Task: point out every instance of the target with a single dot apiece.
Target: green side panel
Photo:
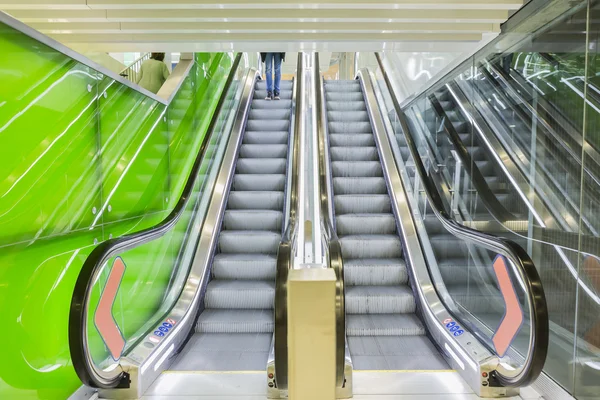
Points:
(133, 140)
(49, 177)
(85, 158)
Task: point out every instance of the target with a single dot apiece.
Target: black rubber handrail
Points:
(105, 250)
(335, 260)
(534, 361)
(286, 246)
(483, 189)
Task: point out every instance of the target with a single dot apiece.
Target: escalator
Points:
(219, 312)
(238, 313)
(383, 330)
(420, 289)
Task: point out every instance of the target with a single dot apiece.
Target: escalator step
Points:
(365, 224)
(259, 182)
(256, 137)
(371, 246)
(254, 220)
(271, 125)
(228, 294)
(356, 169)
(261, 166)
(235, 321)
(368, 185)
(354, 153)
(268, 115)
(346, 106)
(262, 93)
(255, 200)
(375, 272)
(350, 127)
(263, 151)
(347, 116)
(283, 85)
(249, 242)
(252, 267)
(262, 104)
(358, 140)
(379, 300)
(344, 96)
(384, 325)
(365, 203)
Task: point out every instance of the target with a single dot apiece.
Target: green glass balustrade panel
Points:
(133, 152)
(49, 177)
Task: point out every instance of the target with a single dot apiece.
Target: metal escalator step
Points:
(384, 325)
(235, 321)
(357, 140)
(249, 242)
(227, 294)
(263, 151)
(245, 266)
(259, 182)
(356, 169)
(283, 85)
(255, 137)
(262, 104)
(366, 224)
(353, 153)
(350, 127)
(359, 186)
(346, 106)
(344, 96)
(362, 203)
(262, 93)
(371, 246)
(254, 220)
(347, 116)
(375, 272)
(343, 88)
(268, 125)
(261, 166)
(379, 300)
(266, 115)
(255, 200)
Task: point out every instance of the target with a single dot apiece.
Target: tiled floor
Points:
(367, 386)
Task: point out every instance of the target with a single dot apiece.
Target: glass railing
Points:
(488, 283)
(534, 150)
(87, 157)
(149, 268)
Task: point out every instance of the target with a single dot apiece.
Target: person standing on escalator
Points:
(153, 73)
(273, 62)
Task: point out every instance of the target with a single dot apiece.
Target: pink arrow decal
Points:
(104, 320)
(513, 315)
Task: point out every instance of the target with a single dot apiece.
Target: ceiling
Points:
(278, 25)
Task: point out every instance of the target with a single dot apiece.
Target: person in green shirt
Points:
(153, 73)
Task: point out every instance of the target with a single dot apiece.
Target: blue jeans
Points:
(270, 59)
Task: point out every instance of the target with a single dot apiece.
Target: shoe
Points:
(269, 96)
(276, 96)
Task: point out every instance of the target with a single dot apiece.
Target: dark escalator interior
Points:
(383, 331)
(234, 332)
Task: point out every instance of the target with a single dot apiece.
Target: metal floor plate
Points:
(225, 352)
(367, 386)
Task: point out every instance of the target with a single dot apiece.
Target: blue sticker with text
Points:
(167, 325)
(450, 324)
(458, 333)
(163, 329)
(159, 333)
(454, 328)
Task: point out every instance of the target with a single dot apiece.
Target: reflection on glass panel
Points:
(47, 115)
(587, 357)
(134, 152)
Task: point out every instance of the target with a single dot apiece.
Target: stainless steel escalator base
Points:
(224, 352)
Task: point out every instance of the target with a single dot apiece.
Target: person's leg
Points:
(269, 73)
(277, 60)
